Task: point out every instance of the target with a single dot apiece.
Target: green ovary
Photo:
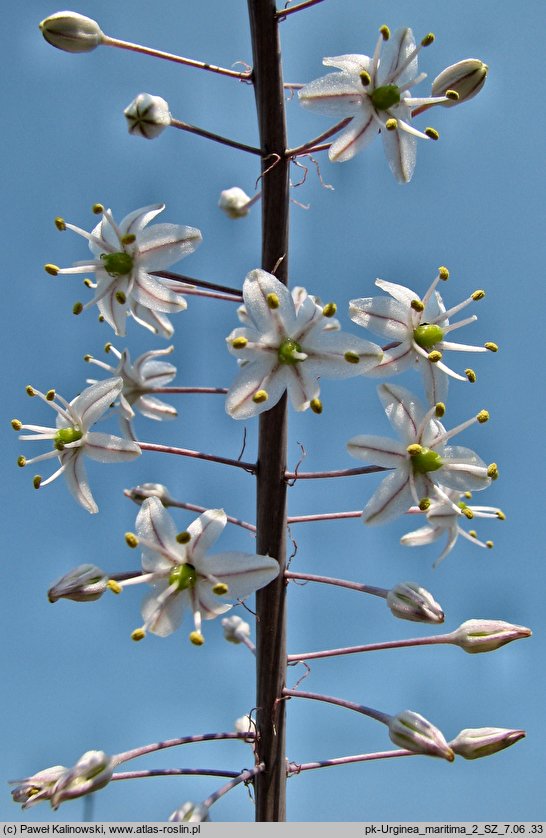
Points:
(184, 576)
(427, 460)
(117, 264)
(66, 435)
(286, 351)
(385, 97)
(428, 335)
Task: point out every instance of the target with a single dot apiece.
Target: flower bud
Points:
(409, 601)
(92, 771)
(38, 787)
(473, 743)
(465, 77)
(147, 116)
(235, 629)
(413, 732)
(149, 490)
(72, 32)
(234, 202)
(245, 724)
(191, 813)
(85, 583)
(487, 635)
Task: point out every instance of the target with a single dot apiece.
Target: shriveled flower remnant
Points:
(424, 466)
(183, 575)
(417, 329)
(288, 347)
(71, 438)
(125, 255)
(374, 92)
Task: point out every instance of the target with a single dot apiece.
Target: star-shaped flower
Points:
(417, 329)
(125, 255)
(288, 347)
(140, 380)
(375, 93)
(71, 438)
(424, 466)
(185, 577)
(445, 516)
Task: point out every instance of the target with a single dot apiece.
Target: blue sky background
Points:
(73, 680)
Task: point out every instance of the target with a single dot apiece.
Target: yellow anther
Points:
(478, 295)
(53, 270)
(131, 540)
(77, 308)
(414, 449)
(489, 544)
(273, 301)
(29, 391)
(483, 416)
(329, 310)
(453, 95)
(439, 409)
(88, 283)
(97, 209)
(316, 406)
(467, 512)
(471, 375)
(130, 238)
(417, 305)
(196, 638)
(443, 272)
(493, 471)
(260, 396)
(36, 481)
(21, 461)
(60, 223)
(385, 32)
(50, 395)
(87, 358)
(220, 589)
(16, 424)
(107, 347)
(432, 133)
(467, 495)
(472, 533)
(120, 297)
(365, 78)
(239, 343)
(183, 537)
(491, 346)
(424, 504)
(114, 586)
(434, 356)
(500, 515)
(138, 634)
(391, 124)
(352, 357)
(100, 318)
(428, 39)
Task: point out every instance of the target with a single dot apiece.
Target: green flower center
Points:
(183, 576)
(427, 460)
(428, 335)
(117, 264)
(385, 97)
(66, 435)
(288, 350)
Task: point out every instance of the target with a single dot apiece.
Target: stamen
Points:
(443, 272)
(329, 310)
(239, 343)
(391, 124)
(432, 133)
(183, 537)
(97, 209)
(138, 634)
(52, 270)
(352, 357)
(273, 301)
(260, 396)
(131, 540)
(114, 586)
(491, 346)
(471, 375)
(77, 308)
(60, 223)
(478, 295)
(483, 416)
(493, 471)
(316, 406)
(196, 638)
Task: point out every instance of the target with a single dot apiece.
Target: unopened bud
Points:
(413, 732)
(245, 724)
(72, 32)
(147, 116)
(234, 202)
(473, 743)
(235, 629)
(92, 771)
(37, 787)
(190, 813)
(465, 77)
(85, 583)
(149, 490)
(409, 601)
(487, 635)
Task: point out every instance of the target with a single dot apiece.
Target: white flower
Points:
(424, 466)
(375, 93)
(299, 295)
(125, 255)
(288, 348)
(71, 438)
(190, 812)
(93, 771)
(418, 329)
(184, 576)
(445, 516)
(139, 382)
(147, 116)
(39, 786)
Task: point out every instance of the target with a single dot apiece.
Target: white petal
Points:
(164, 244)
(401, 293)
(169, 615)
(268, 375)
(379, 450)
(327, 355)
(302, 384)
(352, 63)
(151, 293)
(391, 499)
(393, 56)
(280, 321)
(337, 94)
(76, 478)
(243, 573)
(388, 318)
(155, 321)
(204, 531)
(395, 360)
(360, 133)
(114, 312)
(133, 223)
(422, 536)
(401, 151)
(154, 408)
(403, 410)
(155, 526)
(90, 405)
(106, 448)
(436, 382)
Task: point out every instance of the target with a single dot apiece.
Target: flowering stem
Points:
(187, 452)
(209, 135)
(200, 283)
(346, 472)
(296, 768)
(243, 777)
(170, 772)
(125, 756)
(167, 56)
(374, 647)
(342, 583)
(310, 144)
(221, 391)
(324, 516)
(305, 5)
(341, 702)
(270, 784)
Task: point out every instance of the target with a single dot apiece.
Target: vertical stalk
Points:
(270, 785)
